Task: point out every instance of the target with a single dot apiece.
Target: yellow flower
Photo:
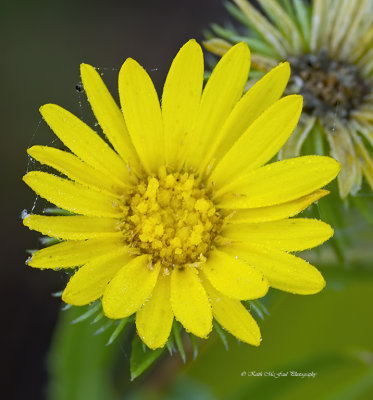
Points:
(181, 219)
(329, 46)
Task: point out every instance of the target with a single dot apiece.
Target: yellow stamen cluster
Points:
(172, 218)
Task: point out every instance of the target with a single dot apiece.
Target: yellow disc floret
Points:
(171, 217)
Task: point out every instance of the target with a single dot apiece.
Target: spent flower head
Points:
(176, 215)
(329, 46)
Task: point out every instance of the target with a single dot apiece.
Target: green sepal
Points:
(142, 357)
(104, 327)
(92, 309)
(257, 308)
(176, 329)
(194, 342)
(221, 334)
(171, 345)
(120, 326)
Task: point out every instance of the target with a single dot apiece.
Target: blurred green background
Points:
(330, 334)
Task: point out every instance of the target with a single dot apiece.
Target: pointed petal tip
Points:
(322, 193)
(68, 298)
(241, 45)
(84, 66)
(45, 109)
(297, 99)
(128, 63)
(240, 48)
(26, 221)
(26, 178)
(30, 151)
(86, 69)
(152, 345)
(33, 151)
(284, 66)
(316, 286)
(333, 165)
(192, 46)
(191, 42)
(112, 315)
(254, 340)
(331, 231)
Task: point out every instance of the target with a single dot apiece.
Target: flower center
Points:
(329, 87)
(171, 217)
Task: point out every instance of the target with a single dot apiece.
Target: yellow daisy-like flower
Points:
(329, 46)
(181, 218)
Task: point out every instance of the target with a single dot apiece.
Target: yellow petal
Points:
(233, 316)
(287, 234)
(130, 288)
(189, 301)
(74, 253)
(234, 278)
(256, 100)
(279, 211)
(71, 196)
(90, 281)
(77, 227)
(283, 271)
(280, 182)
(75, 169)
(154, 319)
(109, 116)
(85, 143)
(260, 142)
(181, 98)
(142, 113)
(222, 91)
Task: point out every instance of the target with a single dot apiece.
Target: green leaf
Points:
(79, 363)
(142, 357)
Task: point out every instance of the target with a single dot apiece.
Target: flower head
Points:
(180, 218)
(328, 44)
